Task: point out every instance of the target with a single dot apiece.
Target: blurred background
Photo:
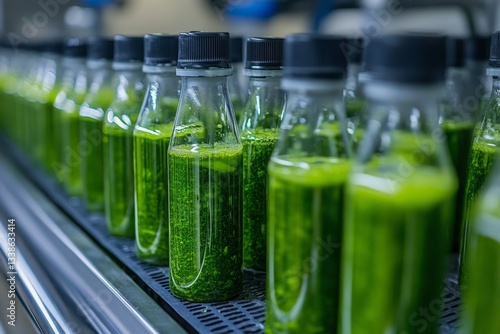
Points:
(22, 20)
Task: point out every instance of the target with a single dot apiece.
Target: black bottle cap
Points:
(495, 50)
(75, 47)
(54, 46)
(236, 49)
(203, 50)
(100, 48)
(406, 58)
(160, 49)
(477, 48)
(128, 49)
(314, 56)
(264, 53)
(455, 52)
(353, 50)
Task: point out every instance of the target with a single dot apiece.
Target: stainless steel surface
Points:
(66, 281)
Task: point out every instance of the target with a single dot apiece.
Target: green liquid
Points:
(459, 142)
(205, 196)
(258, 145)
(92, 169)
(305, 225)
(118, 181)
(44, 107)
(91, 137)
(151, 192)
(72, 153)
(395, 249)
(481, 160)
(482, 297)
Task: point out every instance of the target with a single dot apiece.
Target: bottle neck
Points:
(265, 104)
(404, 118)
(165, 84)
(71, 68)
(314, 123)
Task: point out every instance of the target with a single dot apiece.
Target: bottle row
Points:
(349, 171)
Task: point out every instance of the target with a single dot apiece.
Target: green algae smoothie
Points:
(91, 138)
(481, 304)
(118, 127)
(459, 141)
(303, 195)
(259, 125)
(151, 192)
(151, 141)
(397, 226)
(258, 146)
(118, 168)
(205, 222)
(205, 178)
(482, 157)
(90, 121)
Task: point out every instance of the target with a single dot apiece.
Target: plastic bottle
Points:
(259, 133)
(399, 197)
(205, 176)
(481, 301)
(458, 124)
(307, 175)
(151, 139)
(118, 127)
(485, 150)
(65, 115)
(91, 115)
(50, 87)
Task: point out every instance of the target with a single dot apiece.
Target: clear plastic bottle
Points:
(259, 133)
(481, 302)
(205, 176)
(118, 128)
(151, 139)
(27, 94)
(458, 124)
(399, 197)
(91, 116)
(485, 150)
(51, 84)
(65, 115)
(307, 175)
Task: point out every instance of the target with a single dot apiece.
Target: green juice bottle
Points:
(205, 176)
(259, 133)
(44, 100)
(481, 304)
(398, 202)
(151, 140)
(27, 94)
(485, 150)
(67, 156)
(457, 122)
(118, 127)
(50, 86)
(90, 121)
(307, 175)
